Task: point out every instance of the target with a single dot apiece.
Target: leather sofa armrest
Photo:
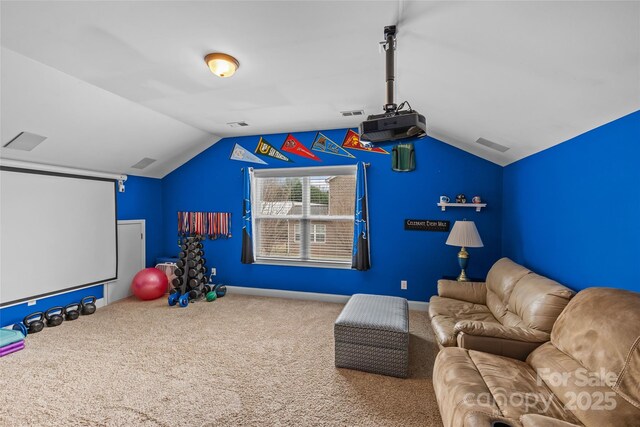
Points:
(490, 329)
(499, 346)
(474, 292)
(537, 420)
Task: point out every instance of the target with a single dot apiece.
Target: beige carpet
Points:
(239, 361)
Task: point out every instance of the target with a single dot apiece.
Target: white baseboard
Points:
(313, 296)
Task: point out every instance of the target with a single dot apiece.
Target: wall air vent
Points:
(492, 145)
(25, 141)
(352, 113)
(237, 124)
(143, 163)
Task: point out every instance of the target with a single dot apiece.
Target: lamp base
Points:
(463, 260)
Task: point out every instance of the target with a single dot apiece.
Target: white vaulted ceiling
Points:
(112, 82)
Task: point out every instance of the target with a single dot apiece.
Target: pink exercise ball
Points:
(149, 283)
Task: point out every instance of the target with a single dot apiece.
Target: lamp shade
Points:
(464, 234)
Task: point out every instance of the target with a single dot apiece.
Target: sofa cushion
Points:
(457, 383)
(516, 389)
(600, 330)
(501, 280)
(446, 312)
(470, 381)
(440, 306)
(536, 302)
(584, 393)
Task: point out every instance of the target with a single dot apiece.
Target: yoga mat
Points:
(9, 336)
(8, 349)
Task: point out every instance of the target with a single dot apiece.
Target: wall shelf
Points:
(478, 206)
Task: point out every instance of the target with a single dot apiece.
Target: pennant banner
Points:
(325, 145)
(266, 149)
(352, 142)
(243, 155)
(293, 146)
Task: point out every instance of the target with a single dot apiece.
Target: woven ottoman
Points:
(372, 335)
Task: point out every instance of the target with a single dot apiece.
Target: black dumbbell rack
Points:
(190, 283)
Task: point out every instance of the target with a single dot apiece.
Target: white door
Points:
(130, 259)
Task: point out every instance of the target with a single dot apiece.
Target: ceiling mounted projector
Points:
(395, 123)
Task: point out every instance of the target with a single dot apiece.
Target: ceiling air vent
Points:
(492, 145)
(238, 124)
(143, 163)
(25, 141)
(352, 113)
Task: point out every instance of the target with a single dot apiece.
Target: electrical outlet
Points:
(31, 302)
(403, 284)
(213, 271)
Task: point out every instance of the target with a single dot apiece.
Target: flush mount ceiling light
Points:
(221, 64)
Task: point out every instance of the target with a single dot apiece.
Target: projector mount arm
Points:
(389, 46)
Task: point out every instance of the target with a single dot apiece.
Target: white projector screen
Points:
(58, 232)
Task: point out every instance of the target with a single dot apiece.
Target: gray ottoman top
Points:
(377, 312)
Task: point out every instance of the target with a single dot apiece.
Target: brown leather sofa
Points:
(509, 315)
(587, 375)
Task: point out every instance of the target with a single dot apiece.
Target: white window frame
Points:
(305, 218)
(315, 233)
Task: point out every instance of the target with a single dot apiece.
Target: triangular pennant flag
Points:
(325, 145)
(352, 142)
(244, 155)
(266, 149)
(293, 146)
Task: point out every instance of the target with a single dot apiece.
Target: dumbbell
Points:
(34, 322)
(72, 311)
(173, 298)
(180, 263)
(177, 282)
(54, 316)
(88, 305)
(178, 272)
(183, 301)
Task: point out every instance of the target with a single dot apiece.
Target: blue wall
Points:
(212, 182)
(571, 212)
(141, 200)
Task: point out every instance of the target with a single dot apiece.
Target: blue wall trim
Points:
(213, 182)
(571, 212)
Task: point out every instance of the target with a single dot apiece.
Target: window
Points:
(304, 215)
(318, 233)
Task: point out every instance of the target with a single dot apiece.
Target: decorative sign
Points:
(426, 224)
(293, 146)
(352, 142)
(242, 154)
(325, 145)
(266, 149)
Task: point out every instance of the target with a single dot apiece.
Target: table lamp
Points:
(464, 234)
